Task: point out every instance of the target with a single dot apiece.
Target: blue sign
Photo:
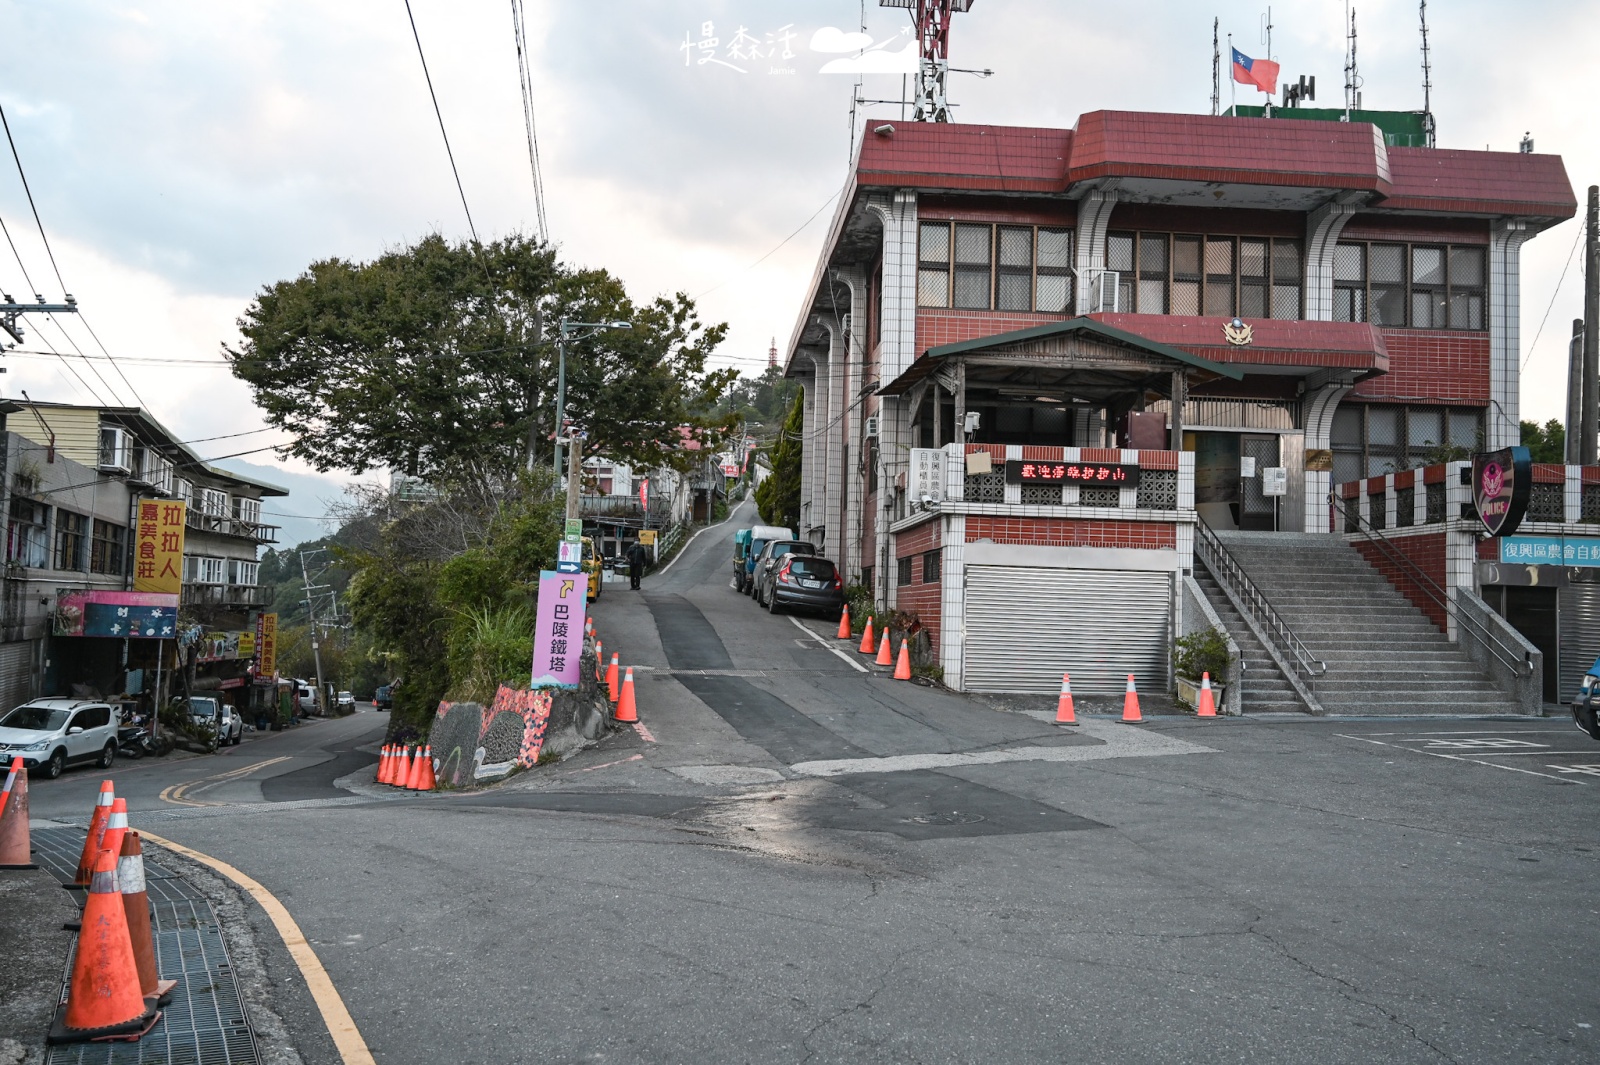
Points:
(1550, 551)
(139, 622)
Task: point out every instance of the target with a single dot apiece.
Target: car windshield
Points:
(817, 568)
(795, 548)
(202, 707)
(35, 719)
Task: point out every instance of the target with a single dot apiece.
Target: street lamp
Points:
(570, 330)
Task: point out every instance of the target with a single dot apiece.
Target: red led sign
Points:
(1103, 473)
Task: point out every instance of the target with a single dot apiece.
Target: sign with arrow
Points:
(558, 631)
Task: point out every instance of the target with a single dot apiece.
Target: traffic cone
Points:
(116, 827)
(611, 678)
(383, 764)
(91, 842)
(844, 623)
(1130, 703)
(885, 652)
(136, 908)
(103, 1001)
(627, 709)
(599, 659)
(868, 645)
(1208, 704)
(1064, 711)
(414, 774)
(902, 668)
(11, 779)
(425, 777)
(15, 840)
(402, 769)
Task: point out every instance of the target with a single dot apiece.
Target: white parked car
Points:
(56, 733)
(345, 702)
(209, 710)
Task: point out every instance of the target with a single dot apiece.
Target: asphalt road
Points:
(796, 861)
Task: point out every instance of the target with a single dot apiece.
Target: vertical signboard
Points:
(558, 633)
(158, 547)
(1502, 481)
(267, 644)
(927, 475)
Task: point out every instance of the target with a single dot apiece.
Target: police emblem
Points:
(1237, 333)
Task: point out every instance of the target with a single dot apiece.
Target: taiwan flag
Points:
(1262, 73)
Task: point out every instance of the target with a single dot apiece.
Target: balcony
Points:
(235, 595)
(225, 525)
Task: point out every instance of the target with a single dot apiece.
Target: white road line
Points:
(1459, 758)
(1120, 741)
(685, 548)
(1475, 732)
(857, 666)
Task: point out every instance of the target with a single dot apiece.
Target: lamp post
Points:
(567, 330)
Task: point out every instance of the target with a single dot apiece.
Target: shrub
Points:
(1202, 651)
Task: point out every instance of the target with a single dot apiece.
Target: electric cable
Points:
(1559, 281)
(442, 133)
(519, 31)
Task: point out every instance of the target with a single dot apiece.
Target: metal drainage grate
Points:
(205, 1022)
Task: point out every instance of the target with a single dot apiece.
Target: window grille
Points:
(986, 487)
(1378, 509)
(1435, 503)
(932, 566)
(1041, 495)
(902, 575)
(1420, 286)
(1589, 506)
(1405, 507)
(109, 549)
(1158, 490)
(1099, 496)
(70, 531)
(1547, 502)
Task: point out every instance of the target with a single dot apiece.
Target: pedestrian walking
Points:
(636, 558)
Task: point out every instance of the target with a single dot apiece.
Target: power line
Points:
(776, 248)
(1559, 282)
(519, 30)
(440, 116)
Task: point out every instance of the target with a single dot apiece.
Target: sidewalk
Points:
(34, 949)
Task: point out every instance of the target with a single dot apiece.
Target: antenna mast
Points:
(1352, 77)
(932, 21)
(1216, 68)
(1427, 79)
(1266, 109)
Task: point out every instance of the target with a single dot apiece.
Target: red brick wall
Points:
(1444, 366)
(1427, 551)
(923, 599)
(938, 326)
(1433, 230)
(1052, 212)
(1072, 532)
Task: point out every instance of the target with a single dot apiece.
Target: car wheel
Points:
(57, 763)
(773, 607)
(108, 756)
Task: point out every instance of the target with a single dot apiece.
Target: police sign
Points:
(1501, 484)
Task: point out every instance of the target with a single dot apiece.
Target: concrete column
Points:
(897, 340)
(1089, 243)
(852, 553)
(1323, 227)
(808, 462)
(1505, 323)
(1319, 407)
(830, 452)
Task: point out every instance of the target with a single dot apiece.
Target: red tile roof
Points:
(1010, 158)
(1467, 182)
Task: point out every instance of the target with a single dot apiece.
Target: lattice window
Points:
(1547, 502)
(1436, 503)
(1352, 513)
(1099, 497)
(1378, 509)
(986, 487)
(1158, 490)
(1041, 495)
(1405, 507)
(1589, 510)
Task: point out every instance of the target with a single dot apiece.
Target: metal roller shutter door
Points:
(1579, 634)
(1026, 627)
(16, 673)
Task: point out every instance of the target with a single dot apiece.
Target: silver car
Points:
(56, 733)
(208, 710)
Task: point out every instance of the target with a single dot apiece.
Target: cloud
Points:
(879, 62)
(830, 39)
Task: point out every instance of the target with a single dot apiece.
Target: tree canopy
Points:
(442, 357)
(778, 497)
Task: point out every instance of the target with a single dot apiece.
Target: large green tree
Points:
(441, 357)
(778, 497)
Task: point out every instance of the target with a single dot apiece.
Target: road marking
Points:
(1483, 745)
(685, 548)
(1587, 770)
(644, 733)
(346, 1036)
(608, 765)
(1119, 741)
(1460, 758)
(857, 666)
(177, 793)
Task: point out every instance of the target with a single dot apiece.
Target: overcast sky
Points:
(184, 154)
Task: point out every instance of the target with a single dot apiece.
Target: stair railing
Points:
(1512, 658)
(1231, 575)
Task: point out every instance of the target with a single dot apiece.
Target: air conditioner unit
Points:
(872, 425)
(1104, 291)
(116, 451)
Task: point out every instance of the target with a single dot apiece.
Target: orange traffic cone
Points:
(385, 760)
(103, 1001)
(91, 842)
(611, 678)
(599, 659)
(1208, 703)
(885, 652)
(1064, 711)
(136, 908)
(402, 769)
(868, 645)
(425, 778)
(11, 778)
(627, 710)
(902, 668)
(116, 827)
(1130, 703)
(414, 774)
(15, 840)
(844, 623)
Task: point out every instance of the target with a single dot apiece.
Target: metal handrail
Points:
(1515, 659)
(1231, 575)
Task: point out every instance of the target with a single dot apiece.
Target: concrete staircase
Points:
(1265, 691)
(1384, 656)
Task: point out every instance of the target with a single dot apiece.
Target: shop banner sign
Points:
(1080, 473)
(558, 633)
(1502, 481)
(267, 644)
(133, 615)
(1550, 551)
(158, 547)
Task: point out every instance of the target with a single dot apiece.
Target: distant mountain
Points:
(297, 513)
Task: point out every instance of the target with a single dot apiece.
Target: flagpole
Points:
(1233, 82)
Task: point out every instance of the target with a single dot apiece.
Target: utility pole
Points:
(311, 627)
(566, 330)
(1591, 331)
(1574, 440)
(574, 468)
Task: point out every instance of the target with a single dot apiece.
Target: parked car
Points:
(771, 557)
(741, 551)
(1587, 702)
(760, 537)
(56, 733)
(345, 702)
(212, 711)
(801, 581)
(305, 697)
(383, 698)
